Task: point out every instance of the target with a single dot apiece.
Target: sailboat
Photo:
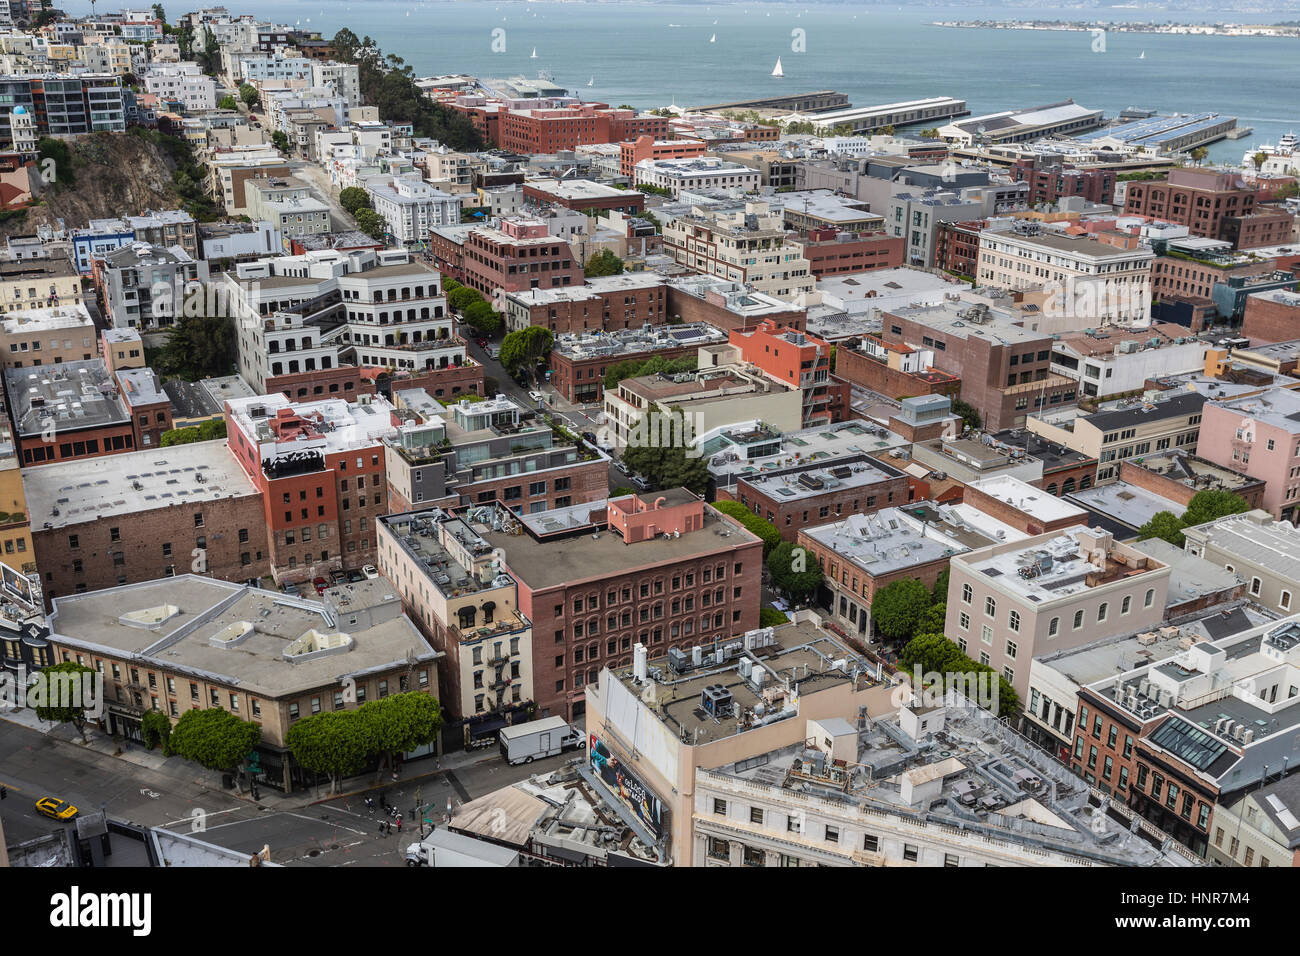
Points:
(714, 38)
(776, 70)
(592, 81)
(1142, 55)
(534, 56)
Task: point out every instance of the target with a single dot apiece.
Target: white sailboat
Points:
(714, 38)
(592, 81)
(776, 70)
(534, 55)
(1142, 55)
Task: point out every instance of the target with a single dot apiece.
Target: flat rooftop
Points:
(87, 489)
(1053, 456)
(174, 621)
(1025, 497)
(894, 539)
(590, 345)
(579, 189)
(1271, 544)
(56, 318)
(1190, 577)
(582, 556)
(1130, 505)
(1054, 568)
(1279, 407)
(1196, 473)
(810, 481)
(744, 451)
(966, 320)
(75, 395)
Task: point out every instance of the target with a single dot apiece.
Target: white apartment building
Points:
(322, 309)
(679, 175)
(184, 82)
(342, 77)
(750, 246)
(274, 66)
(411, 207)
(1090, 280)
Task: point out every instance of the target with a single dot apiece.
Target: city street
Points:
(337, 831)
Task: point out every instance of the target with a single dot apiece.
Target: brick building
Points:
(1267, 226)
(579, 361)
(1200, 199)
(728, 305)
(957, 246)
(810, 494)
(320, 469)
(797, 360)
(892, 369)
(551, 130)
(647, 147)
(664, 571)
(1179, 477)
(1051, 182)
(517, 254)
(123, 519)
(830, 252)
(632, 300)
(1271, 317)
(581, 195)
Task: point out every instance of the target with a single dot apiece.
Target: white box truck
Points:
(524, 743)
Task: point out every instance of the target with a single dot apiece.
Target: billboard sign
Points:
(626, 786)
(16, 586)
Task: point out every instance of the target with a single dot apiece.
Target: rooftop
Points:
(562, 559)
(74, 394)
(587, 345)
(241, 635)
(56, 318)
(894, 539)
(1053, 456)
(1278, 407)
(964, 320)
(811, 480)
(1190, 577)
(579, 189)
(87, 489)
(1130, 505)
(749, 450)
(1196, 473)
(1255, 537)
(1025, 497)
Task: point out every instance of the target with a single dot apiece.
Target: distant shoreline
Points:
(1086, 26)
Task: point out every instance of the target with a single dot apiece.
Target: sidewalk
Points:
(179, 768)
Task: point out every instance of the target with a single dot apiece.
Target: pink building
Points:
(1260, 436)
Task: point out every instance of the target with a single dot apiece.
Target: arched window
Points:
(1068, 486)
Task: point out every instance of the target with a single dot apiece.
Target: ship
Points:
(1287, 146)
(776, 70)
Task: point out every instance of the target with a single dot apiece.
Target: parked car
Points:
(537, 397)
(639, 483)
(320, 584)
(354, 576)
(56, 809)
(370, 571)
(589, 437)
(481, 342)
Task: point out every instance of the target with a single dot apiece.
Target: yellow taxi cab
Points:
(55, 808)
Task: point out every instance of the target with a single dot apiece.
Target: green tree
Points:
(198, 346)
(1198, 154)
(898, 608)
(930, 132)
(934, 618)
(334, 742)
(158, 13)
(212, 429)
(771, 617)
(1165, 525)
(794, 572)
(215, 739)
(887, 130)
(280, 141)
(634, 368)
(935, 653)
(61, 694)
(462, 297)
(57, 150)
(179, 436)
(400, 723)
(523, 349)
(1213, 503)
(227, 103)
(603, 263)
(970, 416)
(659, 454)
(1259, 159)
(371, 223)
(156, 729)
(248, 93)
(765, 530)
(353, 198)
(485, 319)
(939, 593)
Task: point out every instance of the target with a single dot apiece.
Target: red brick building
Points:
(632, 300)
(551, 130)
(812, 494)
(1267, 226)
(889, 369)
(1200, 199)
(957, 246)
(518, 254)
(1272, 317)
(581, 195)
(647, 147)
(1051, 182)
(1170, 475)
(830, 253)
(729, 305)
(655, 573)
(320, 470)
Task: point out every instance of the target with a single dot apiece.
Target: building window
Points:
(1101, 611)
(990, 607)
(911, 853)
(966, 593)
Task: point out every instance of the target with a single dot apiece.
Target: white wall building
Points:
(412, 207)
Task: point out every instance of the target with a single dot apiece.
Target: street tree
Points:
(522, 350)
(61, 694)
(898, 608)
(215, 739)
(399, 724)
(334, 743)
(353, 198)
(794, 571)
(765, 530)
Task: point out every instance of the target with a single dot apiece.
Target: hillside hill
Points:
(116, 174)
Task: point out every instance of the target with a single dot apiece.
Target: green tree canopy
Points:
(61, 694)
(1165, 525)
(353, 198)
(523, 349)
(633, 368)
(794, 571)
(898, 608)
(248, 93)
(935, 653)
(485, 319)
(334, 742)
(1213, 503)
(210, 430)
(371, 223)
(156, 729)
(771, 617)
(227, 103)
(970, 416)
(767, 531)
(603, 263)
(197, 346)
(215, 739)
(660, 455)
(939, 593)
(280, 141)
(462, 296)
(400, 723)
